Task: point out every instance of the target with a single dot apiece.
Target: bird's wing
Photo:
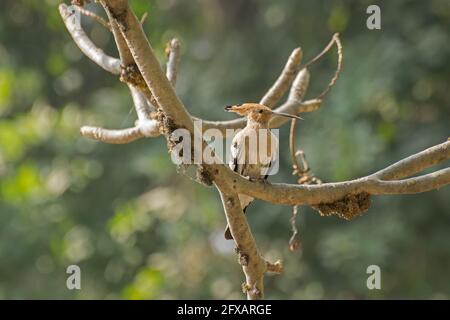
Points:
(272, 168)
(236, 154)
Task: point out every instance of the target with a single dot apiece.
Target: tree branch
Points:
(140, 103)
(250, 259)
(290, 194)
(125, 54)
(173, 59)
(129, 72)
(293, 105)
(283, 82)
(415, 163)
(147, 63)
(144, 126)
(121, 136)
(72, 23)
(95, 17)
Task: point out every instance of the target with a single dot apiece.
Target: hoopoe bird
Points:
(254, 148)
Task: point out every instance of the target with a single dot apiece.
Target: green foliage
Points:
(139, 230)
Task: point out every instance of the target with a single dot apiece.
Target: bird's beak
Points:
(287, 115)
(228, 108)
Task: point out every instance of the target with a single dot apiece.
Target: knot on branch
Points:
(230, 203)
(243, 259)
(131, 74)
(204, 176)
(276, 267)
(167, 124)
(252, 290)
(349, 207)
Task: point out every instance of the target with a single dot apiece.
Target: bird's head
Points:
(257, 112)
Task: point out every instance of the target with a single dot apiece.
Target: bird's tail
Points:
(227, 234)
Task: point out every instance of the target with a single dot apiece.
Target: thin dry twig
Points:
(276, 267)
(141, 105)
(334, 40)
(294, 104)
(143, 18)
(173, 58)
(294, 242)
(121, 136)
(305, 176)
(73, 25)
(143, 129)
(95, 17)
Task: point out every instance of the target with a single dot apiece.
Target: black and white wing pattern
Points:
(273, 166)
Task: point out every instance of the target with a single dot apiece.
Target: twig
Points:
(97, 18)
(126, 57)
(297, 93)
(149, 67)
(276, 267)
(97, 55)
(299, 86)
(283, 82)
(309, 106)
(293, 105)
(111, 136)
(129, 73)
(143, 128)
(143, 18)
(338, 69)
(140, 103)
(334, 40)
(294, 243)
(173, 59)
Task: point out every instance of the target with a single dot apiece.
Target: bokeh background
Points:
(140, 230)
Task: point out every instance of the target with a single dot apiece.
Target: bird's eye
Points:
(261, 111)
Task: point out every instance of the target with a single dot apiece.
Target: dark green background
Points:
(139, 230)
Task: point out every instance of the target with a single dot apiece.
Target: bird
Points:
(247, 159)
